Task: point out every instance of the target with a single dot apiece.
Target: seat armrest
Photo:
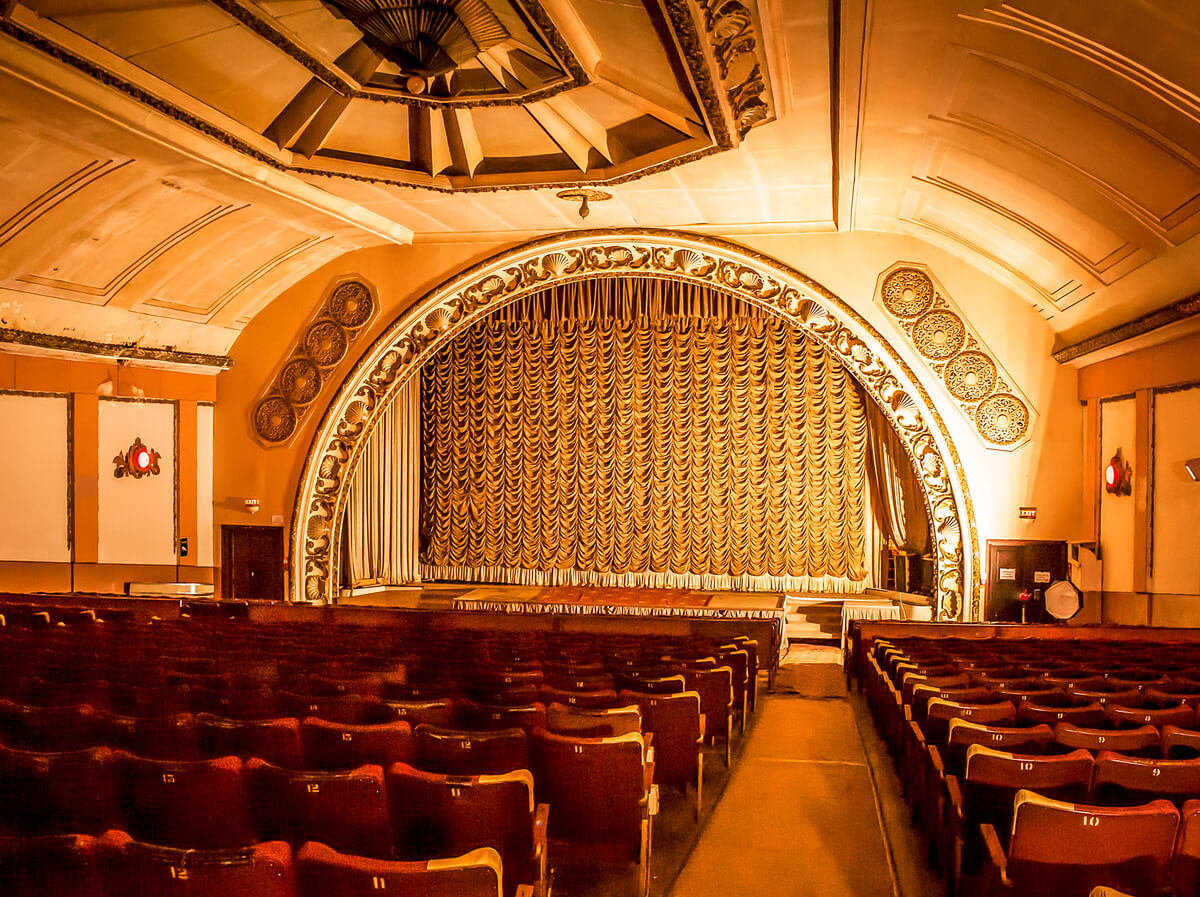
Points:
(954, 799)
(648, 741)
(648, 774)
(703, 719)
(524, 891)
(995, 852)
(541, 820)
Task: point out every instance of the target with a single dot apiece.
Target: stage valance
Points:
(640, 431)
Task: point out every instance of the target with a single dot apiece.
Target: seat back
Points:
(69, 727)
(964, 733)
(992, 779)
(1061, 849)
(58, 793)
(436, 815)
(1142, 741)
(330, 745)
(146, 870)
(50, 865)
(197, 805)
(594, 722)
(173, 737)
(674, 719)
(1180, 744)
(595, 787)
(1178, 715)
(1121, 780)
(274, 740)
(467, 753)
(347, 810)
(473, 715)
(341, 708)
(1086, 715)
(1185, 865)
(940, 711)
(323, 872)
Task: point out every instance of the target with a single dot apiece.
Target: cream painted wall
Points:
(1045, 473)
(1176, 510)
(33, 478)
(1116, 511)
(136, 516)
(204, 485)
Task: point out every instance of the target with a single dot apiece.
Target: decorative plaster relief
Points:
(984, 392)
(315, 352)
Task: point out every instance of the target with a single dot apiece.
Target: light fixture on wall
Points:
(1118, 476)
(137, 461)
(251, 505)
(1193, 468)
(584, 196)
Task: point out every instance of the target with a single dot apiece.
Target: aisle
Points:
(800, 815)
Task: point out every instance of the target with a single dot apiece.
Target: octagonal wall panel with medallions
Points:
(984, 392)
(315, 353)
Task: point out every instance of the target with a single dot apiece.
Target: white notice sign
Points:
(1008, 574)
(1041, 576)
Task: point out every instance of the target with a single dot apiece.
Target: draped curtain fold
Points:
(642, 432)
(896, 497)
(384, 501)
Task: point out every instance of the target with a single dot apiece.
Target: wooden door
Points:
(252, 562)
(1015, 566)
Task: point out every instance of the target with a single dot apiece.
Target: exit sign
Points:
(1027, 513)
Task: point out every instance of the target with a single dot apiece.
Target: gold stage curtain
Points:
(621, 447)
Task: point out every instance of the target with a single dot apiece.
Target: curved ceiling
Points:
(1053, 144)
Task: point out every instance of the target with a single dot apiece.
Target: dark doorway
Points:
(1016, 566)
(252, 562)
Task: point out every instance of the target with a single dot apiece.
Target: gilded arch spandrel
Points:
(490, 285)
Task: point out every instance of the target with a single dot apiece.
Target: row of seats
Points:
(1015, 759)
(362, 700)
(115, 865)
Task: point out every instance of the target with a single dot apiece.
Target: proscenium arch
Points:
(484, 288)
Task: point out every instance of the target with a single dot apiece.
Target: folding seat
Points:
(1019, 740)
(715, 687)
(58, 793)
(985, 793)
(1106, 694)
(520, 694)
(739, 662)
(601, 793)
(600, 697)
(1085, 715)
(750, 646)
(678, 729)
(199, 804)
(436, 815)
(148, 700)
(440, 712)
(594, 722)
(1051, 697)
(647, 684)
(347, 809)
(1059, 849)
(940, 711)
(43, 693)
(49, 866)
(422, 691)
(341, 746)
(132, 868)
(1183, 715)
(366, 685)
(1172, 693)
(469, 753)
(921, 695)
(1185, 865)
(157, 737)
(472, 715)
(1180, 744)
(913, 679)
(70, 727)
(323, 872)
(274, 740)
(1143, 741)
(1119, 780)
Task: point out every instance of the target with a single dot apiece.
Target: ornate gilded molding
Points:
(484, 288)
(319, 349)
(736, 39)
(985, 393)
(1181, 310)
(112, 351)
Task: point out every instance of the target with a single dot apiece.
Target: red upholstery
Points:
(1142, 741)
(342, 746)
(274, 740)
(464, 752)
(158, 737)
(473, 715)
(199, 804)
(674, 720)
(441, 712)
(347, 810)
(323, 872)
(58, 793)
(49, 866)
(69, 727)
(1125, 781)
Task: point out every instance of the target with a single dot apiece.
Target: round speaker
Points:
(1062, 600)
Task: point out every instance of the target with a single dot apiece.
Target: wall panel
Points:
(33, 477)
(1176, 500)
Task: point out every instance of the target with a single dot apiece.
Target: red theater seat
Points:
(70, 727)
(1059, 849)
(594, 722)
(436, 815)
(173, 737)
(323, 872)
(49, 866)
(472, 715)
(347, 810)
(133, 869)
(341, 746)
(274, 740)
(468, 753)
(1142, 741)
(678, 730)
(1125, 781)
(58, 793)
(199, 804)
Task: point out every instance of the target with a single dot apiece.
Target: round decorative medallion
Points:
(274, 419)
(325, 343)
(300, 381)
(351, 304)
(1002, 419)
(970, 376)
(939, 335)
(907, 292)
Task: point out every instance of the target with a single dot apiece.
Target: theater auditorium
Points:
(599, 448)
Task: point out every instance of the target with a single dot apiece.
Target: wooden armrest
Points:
(935, 760)
(955, 799)
(648, 775)
(524, 891)
(995, 852)
(703, 719)
(541, 820)
(648, 741)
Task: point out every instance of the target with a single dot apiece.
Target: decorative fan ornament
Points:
(137, 461)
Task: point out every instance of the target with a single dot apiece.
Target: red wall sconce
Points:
(1118, 475)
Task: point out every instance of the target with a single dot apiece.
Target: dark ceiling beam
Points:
(1188, 307)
